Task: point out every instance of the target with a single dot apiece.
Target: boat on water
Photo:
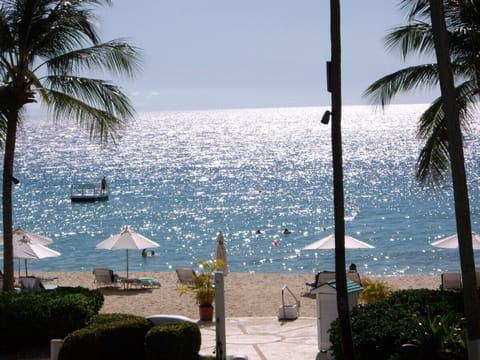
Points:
(88, 193)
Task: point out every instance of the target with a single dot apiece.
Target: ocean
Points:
(179, 178)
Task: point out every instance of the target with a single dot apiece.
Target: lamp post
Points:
(334, 85)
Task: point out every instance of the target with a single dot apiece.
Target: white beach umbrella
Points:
(20, 234)
(125, 240)
(24, 248)
(222, 253)
(451, 242)
(329, 243)
(28, 245)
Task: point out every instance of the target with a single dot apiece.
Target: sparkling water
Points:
(181, 177)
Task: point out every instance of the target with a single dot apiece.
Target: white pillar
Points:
(221, 346)
(55, 345)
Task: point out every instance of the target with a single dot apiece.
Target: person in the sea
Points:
(104, 184)
(145, 253)
(286, 231)
(258, 231)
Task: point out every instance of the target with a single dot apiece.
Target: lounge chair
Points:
(320, 278)
(325, 276)
(33, 283)
(105, 277)
(30, 283)
(451, 281)
(186, 276)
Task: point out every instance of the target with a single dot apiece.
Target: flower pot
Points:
(206, 312)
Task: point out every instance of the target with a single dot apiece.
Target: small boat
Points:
(88, 193)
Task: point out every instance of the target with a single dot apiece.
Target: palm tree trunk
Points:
(8, 270)
(338, 198)
(460, 192)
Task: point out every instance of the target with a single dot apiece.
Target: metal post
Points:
(221, 346)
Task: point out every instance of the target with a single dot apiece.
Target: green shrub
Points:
(383, 328)
(32, 319)
(95, 298)
(107, 337)
(173, 341)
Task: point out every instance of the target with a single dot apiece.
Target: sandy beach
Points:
(246, 295)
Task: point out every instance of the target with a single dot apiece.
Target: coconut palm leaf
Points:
(385, 89)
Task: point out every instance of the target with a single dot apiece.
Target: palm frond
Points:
(385, 89)
(94, 92)
(415, 38)
(415, 9)
(62, 26)
(433, 163)
(98, 121)
(433, 117)
(116, 56)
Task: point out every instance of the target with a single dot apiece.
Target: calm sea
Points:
(180, 177)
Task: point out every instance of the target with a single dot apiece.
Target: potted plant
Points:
(203, 288)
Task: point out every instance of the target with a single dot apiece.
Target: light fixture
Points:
(326, 117)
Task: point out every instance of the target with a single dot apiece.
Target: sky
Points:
(216, 54)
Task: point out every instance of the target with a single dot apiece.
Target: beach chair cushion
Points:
(149, 282)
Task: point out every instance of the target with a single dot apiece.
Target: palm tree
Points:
(454, 39)
(47, 50)
(416, 38)
(460, 192)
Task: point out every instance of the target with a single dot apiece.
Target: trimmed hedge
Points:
(31, 319)
(173, 341)
(405, 325)
(107, 337)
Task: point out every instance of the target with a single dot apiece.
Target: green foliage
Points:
(395, 328)
(441, 337)
(94, 297)
(107, 337)
(203, 287)
(31, 319)
(373, 290)
(173, 341)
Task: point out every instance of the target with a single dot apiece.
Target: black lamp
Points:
(326, 117)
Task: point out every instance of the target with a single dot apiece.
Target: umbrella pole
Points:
(26, 269)
(127, 263)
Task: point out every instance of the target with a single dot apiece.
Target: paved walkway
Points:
(266, 338)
